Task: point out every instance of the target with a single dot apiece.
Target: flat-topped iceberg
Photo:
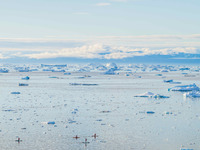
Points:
(193, 94)
(190, 87)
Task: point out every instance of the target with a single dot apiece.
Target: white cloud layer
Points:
(106, 52)
(106, 47)
(103, 4)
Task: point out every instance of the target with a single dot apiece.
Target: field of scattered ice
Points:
(54, 106)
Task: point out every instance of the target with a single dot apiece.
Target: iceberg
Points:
(26, 78)
(168, 81)
(110, 72)
(193, 94)
(15, 92)
(147, 94)
(151, 95)
(159, 96)
(190, 87)
(23, 84)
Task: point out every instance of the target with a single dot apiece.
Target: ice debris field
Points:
(100, 106)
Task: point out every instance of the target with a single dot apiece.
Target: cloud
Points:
(103, 4)
(3, 57)
(108, 52)
(102, 47)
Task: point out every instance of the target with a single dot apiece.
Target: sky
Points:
(102, 29)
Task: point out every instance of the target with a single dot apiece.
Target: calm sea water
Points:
(77, 110)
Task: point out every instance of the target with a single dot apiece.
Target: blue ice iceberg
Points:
(193, 94)
(183, 88)
(26, 78)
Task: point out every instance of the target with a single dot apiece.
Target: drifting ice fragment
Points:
(151, 95)
(15, 92)
(168, 81)
(150, 112)
(191, 87)
(147, 94)
(49, 122)
(159, 96)
(23, 84)
(110, 72)
(26, 78)
(194, 94)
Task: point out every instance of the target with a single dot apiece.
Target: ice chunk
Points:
(26, 78)
(110, 72)
(191, 87)
(194, 94)
(159, 96)
(51, 122)
(15, 92)
(23, 84)
(168, 81)
(67, 73)
(147, 94)
(150, 112)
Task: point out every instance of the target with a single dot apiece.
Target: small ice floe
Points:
(71, 121)
(83, 84)
(8, 110)
(105, 111)
(75, 84)
(190, 87)
(167, 113)
(15, 93)
(175, 82)
(159, 96)
(167, 81)
(26, 78)
(193, 94)
(49, 122)
(150, 112)
(146, 94)
(99, 120)
(23, 84)
(74, 111)
(67, 73)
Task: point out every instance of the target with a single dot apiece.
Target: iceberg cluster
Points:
(151, 95)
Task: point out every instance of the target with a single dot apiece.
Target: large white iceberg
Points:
(190, 87)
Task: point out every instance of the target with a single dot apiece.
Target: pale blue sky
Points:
(88, 28)
(69, 18)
